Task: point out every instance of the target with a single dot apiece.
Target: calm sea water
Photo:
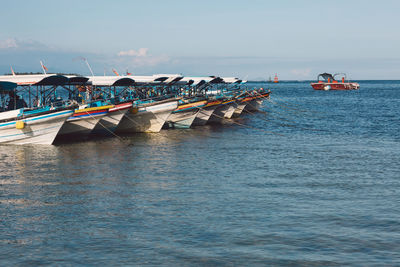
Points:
(313, 180)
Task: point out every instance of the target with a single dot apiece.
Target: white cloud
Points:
(24, 44)
(8, 43)
(301, 72)
(141, 52)
(141, 58)
(150, 60)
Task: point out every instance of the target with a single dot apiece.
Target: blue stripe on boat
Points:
(55, 114)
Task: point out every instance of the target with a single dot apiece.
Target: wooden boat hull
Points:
(184, 115)
(148, 118)
(205, 113)
(239, 109)
(41, 129)
(82, 122)
(220, 112)
(255, 101)
(182, 120)
(111, 121)
(231, 110)
(254, 105)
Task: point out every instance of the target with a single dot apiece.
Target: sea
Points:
(313, 179)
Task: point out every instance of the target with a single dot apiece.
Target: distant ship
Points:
(276, 78)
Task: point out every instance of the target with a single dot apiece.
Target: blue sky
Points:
(253, 39)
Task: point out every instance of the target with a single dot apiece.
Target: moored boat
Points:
(111, 120)
(147, 117)
(255, 99)
(20, 127)
(226, 109)
(23, 125)
(84, 119)
(327, 81)
(184, 115)
(240, 104)
(239, 109)
(205, 112)
(232, 107)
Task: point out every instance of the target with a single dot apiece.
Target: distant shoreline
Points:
(302, 81)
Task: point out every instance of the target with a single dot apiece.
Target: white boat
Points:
(184, 115)
(232, 107)
(41, 128)
(111, 120)
(254, 105)
(205, 113)
(225, 109)
(83, 121)
(148, 117)
(182, 120)
(239, 109)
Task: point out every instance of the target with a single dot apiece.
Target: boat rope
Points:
(112, 132)
(136, 123)
(126, 116)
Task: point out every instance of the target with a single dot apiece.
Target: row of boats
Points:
(71, 106)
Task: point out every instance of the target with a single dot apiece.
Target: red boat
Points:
(328, 82)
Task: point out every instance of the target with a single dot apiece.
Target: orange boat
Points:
(328, 82)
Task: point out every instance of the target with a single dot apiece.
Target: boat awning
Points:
(167, 78)
(231, 80)
(124, 82)
(77, 80)
(325, 76)
(36, 79)
(53, 80)
(197, 81)
(6, 87)
(160, 79)
(147, 80)
(111, 80)
(216, 79)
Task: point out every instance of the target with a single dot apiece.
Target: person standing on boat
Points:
(15, 102)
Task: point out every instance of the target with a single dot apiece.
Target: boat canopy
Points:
(231, 80)
(196, 81)
(216, 79)
(168, 78)
(77, 80)
(111, 80)
(53, 80)
(6, 87)
(325, 76)
(45, 79)
(124, 82)
(133, 80)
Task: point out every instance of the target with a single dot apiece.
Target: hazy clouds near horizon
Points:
(253, 39)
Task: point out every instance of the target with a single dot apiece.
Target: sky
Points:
(251, 39)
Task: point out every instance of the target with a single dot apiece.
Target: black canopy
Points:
(325, 76)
